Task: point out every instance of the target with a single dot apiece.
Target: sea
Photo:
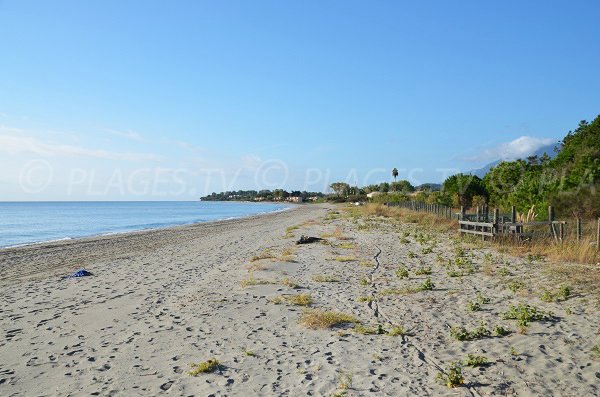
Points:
(23, 223)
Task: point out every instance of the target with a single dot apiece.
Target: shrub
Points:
(475, 361)
(319, 319)
(205, 367)
(453, 376)
(501, 331)
(423, 270)
(463, 334)
(426, 286)
(524, 314)
(402, 272)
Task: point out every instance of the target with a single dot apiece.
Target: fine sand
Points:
(161, 300)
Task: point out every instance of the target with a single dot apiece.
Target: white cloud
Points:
(518, 148)
(12, 144)
(129, 134)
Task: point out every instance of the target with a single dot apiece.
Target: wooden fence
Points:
(485, 224)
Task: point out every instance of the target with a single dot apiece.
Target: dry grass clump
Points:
(337, 234)
(320, 319)
(345, 258)
(205, 367)
(366, 264)
(427, 220)
(569, 250)
(289, 231)
(346, 246)
(324, 278)
(288, 282)
(569, 261)
(367, 299)
(266, 254)
(247, 282)
(296, 300)
(288, 255)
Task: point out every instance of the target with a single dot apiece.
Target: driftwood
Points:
(308, 240)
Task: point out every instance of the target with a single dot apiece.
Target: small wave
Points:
(38, 242)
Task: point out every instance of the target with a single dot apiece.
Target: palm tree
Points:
(395, 173)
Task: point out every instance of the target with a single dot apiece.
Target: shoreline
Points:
(55, 252)
(289, 207)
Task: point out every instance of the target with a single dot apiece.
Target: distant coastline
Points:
(29, 223)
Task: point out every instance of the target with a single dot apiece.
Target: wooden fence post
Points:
(561, 229)
(513, 214)
(496, 220)
(462, 213)
(578, 228)
(598, 236)
(550, 220)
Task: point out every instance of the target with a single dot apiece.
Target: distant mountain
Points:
(429, 187)
(549, 149)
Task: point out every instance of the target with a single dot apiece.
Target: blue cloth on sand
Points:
(79, 273)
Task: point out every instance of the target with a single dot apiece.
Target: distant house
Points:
(374, 194)
(295, 199)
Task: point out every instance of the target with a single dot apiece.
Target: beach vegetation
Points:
(250, 281)
(397, 291)
(402, 272)
(515, 285)
(364, 330)
(337, 234)
(205, 367)
(503, 271)
(345, 381)
(482, 300)
(453, 376)
(366, 264)
(562, 294)
(473, 360)
(425, 270)
(266, 254)
(524, 314)
(321, 319)
(288, 254)
(296, 300)
(463, 334)
(288, 282)
(367, 299)
(427, 285)
(289, 232)
(501, 331)
(398, 330)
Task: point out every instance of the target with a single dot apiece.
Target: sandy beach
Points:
(161, 300)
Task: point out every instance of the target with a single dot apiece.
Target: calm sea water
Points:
(32, 222)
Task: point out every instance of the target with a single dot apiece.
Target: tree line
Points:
(254, 195)
(569, 181)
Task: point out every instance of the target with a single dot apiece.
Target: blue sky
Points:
(171, 100)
